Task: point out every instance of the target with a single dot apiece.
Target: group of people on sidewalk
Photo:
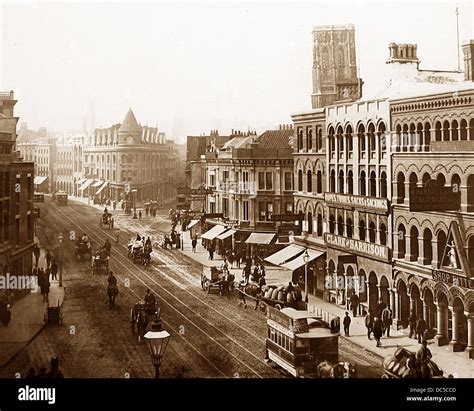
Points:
(44, 274)
(54, 371)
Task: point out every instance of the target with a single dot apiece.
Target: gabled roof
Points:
(275, 139)
(130, 123)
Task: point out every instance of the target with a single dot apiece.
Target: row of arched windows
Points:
(364, 232)
(312, 139)
(305, 181)
(372, 186)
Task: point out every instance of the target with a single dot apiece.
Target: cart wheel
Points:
(206, 286)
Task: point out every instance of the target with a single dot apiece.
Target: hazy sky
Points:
(192, 67)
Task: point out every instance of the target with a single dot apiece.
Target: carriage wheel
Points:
(278, 306)
(203, 282)
(207, 285)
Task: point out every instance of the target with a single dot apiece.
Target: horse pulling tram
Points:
(139, 252)
(141, 316)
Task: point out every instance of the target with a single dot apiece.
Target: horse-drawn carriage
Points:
(100, 264)
(107, 219)
(141, 315)
(83, 248)
(215, 278)
(140, 252)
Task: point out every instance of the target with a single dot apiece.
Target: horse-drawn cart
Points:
(403, 364)
(107, 219)
(141, 315)
(53, 315)
(270, 295)
(100, 265)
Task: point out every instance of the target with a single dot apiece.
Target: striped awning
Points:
(213, 232)
(193, 223)
(39, 180)
(101, 188)
(98, 183)
(226, 234)
(299, 261)
(85, 184)
(285, 254)
(260, 238)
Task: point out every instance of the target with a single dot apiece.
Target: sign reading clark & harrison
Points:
(357, 246)
(378, 204)
(434, 199)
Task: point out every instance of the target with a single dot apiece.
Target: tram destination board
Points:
(434, 199)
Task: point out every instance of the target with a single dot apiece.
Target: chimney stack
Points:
(403, 53)
(468, 51)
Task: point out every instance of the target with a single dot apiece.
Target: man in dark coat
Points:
(423, 357)
(420, 328)
(346, 323)
(377, 330)
(387, 320)
(369, 323)
(412, 324)
(354, 304)
(48, 258)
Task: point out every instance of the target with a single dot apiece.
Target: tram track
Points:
(186, 311)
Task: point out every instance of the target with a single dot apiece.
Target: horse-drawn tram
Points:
(301, 341)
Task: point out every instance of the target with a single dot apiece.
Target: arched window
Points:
(349, 142)
(340, 225)
(463, 129)
(470, 192)
(372, 232)
(373, 184)
(332, 182)
(300, 140)
(309, 139)
(454, 130)
(362, 191)
(414, 251)
(438, 136)
(427, 246)
(446, 130)
(319, 182)
(340, 182)
(471, 129)
(310, 222)
(361, 137)
(383, 234)
(340, 141)
(371, 133)
(427, 134)
(413, 181)
(320, 225)
(332, 223)
(382, 137)
(401, 237)
(332, 143)
(350, 182)
(440, 180)
(320, 139)
(441, 245)
(383, 184)
(349, 227)
(362, 230)
(400, 188)
(300, 180)
(309, 181)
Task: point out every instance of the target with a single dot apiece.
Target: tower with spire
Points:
(130, 131)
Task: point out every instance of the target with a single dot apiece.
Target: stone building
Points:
(69, 163)
(127, 157)
(16, 196)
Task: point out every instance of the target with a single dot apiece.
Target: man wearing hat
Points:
(423, 357)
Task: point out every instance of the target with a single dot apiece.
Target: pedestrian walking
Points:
(412, 324)
(194, 243)
(54, 270)
(420, 328)
(36, 253)
(387, 319)
(211, 251)
(354, 304)
(369, 323)
(346, 323)
(48, 258)
(377, 330)
(139, 215)
(423, 357)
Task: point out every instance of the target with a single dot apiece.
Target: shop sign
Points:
(357, 201)
(452, 279)
(357, 246)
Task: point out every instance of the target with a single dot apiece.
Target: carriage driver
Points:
(150, 302)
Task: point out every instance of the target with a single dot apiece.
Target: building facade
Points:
(128, 157)
(16, 196)
(69, 164)
(433, 208)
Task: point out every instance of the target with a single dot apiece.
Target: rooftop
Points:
(130, 123)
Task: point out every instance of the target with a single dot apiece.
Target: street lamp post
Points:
(306, 259)
(157, 339)
(134, 198)
(60, 250)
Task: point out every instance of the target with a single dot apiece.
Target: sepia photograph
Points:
(237, 190)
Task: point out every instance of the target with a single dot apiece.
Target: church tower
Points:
(334, 66)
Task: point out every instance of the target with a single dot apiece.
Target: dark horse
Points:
(112, 291)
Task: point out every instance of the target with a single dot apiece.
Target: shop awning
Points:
(101, 188)
(213, 232)
(86, 184)
(81, 181)
(193, 223)
(299, 261)
(260, 238)
(285, 254)
(39, 180)
(98, 183)
(228, 233)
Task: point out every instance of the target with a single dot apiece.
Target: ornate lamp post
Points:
(157, 339)
(306, 259)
